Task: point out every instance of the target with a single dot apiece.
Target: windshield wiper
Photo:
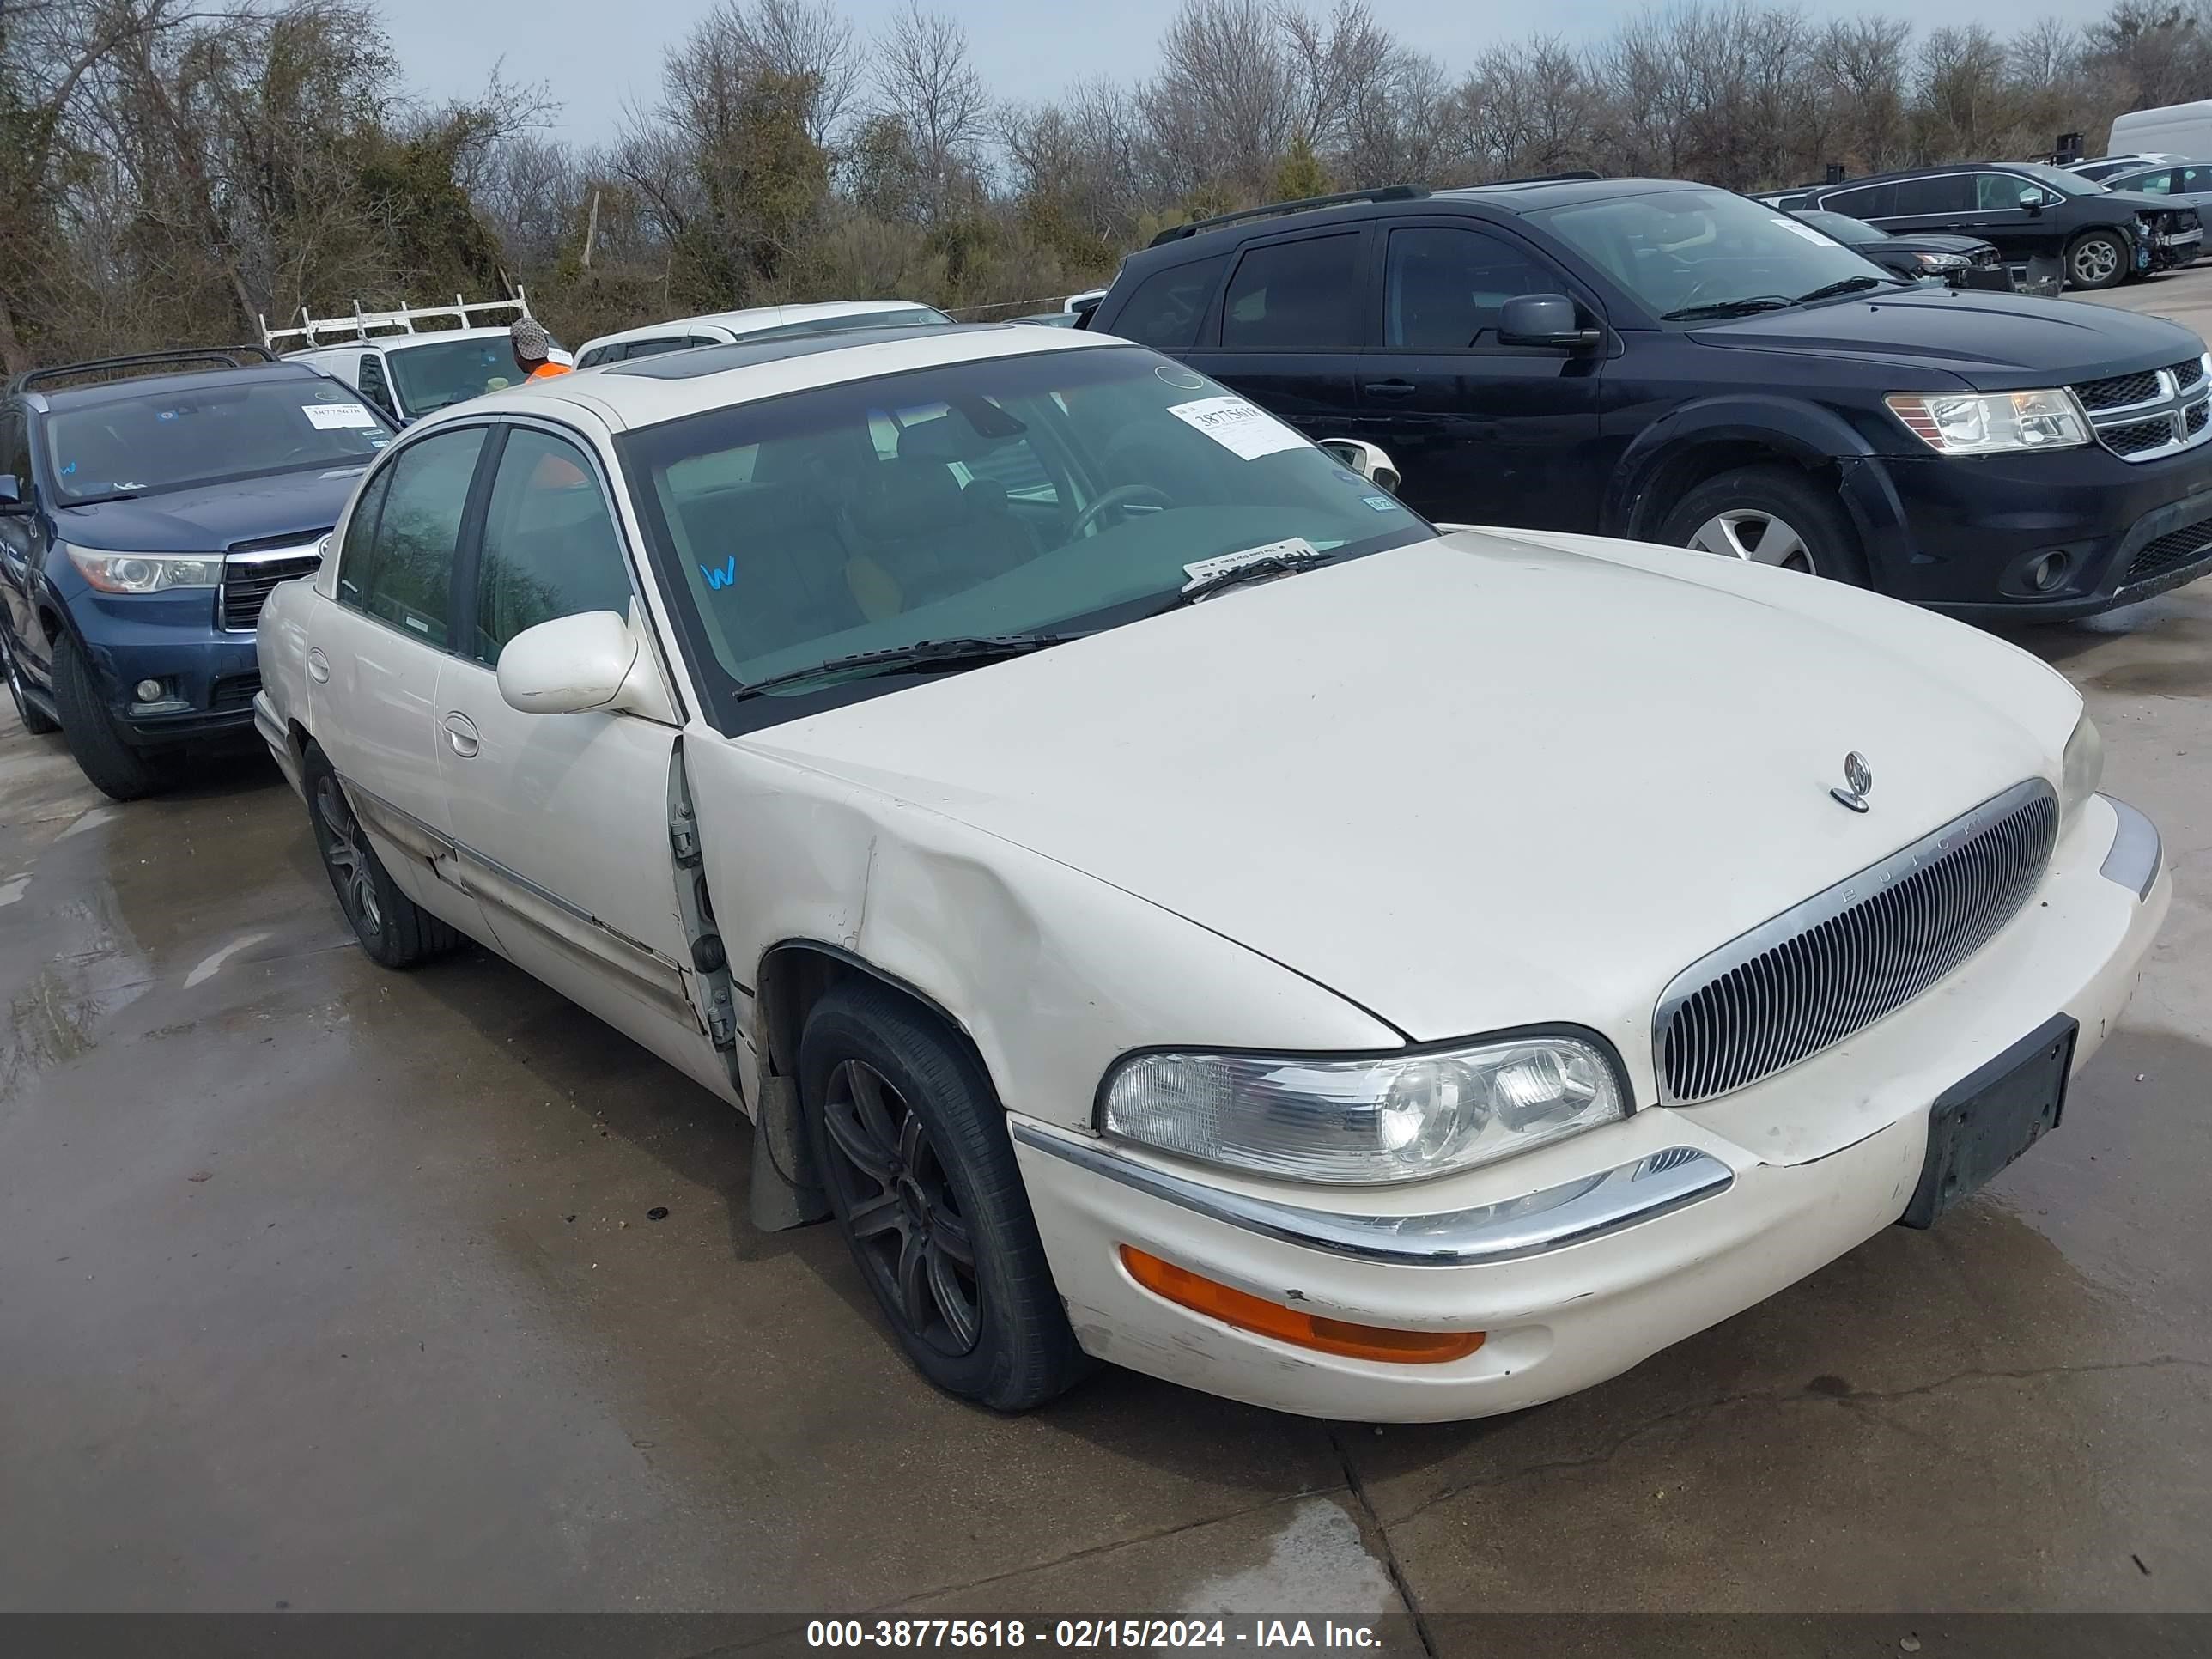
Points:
(1848, 285)
(1730, 307)
(1234, 569)
(922, 656)
(112, 496)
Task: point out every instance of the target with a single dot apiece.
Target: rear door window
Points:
(403, 574)
(1868, 202)
(1169, 304)
(1295, 296)
(1950, 193)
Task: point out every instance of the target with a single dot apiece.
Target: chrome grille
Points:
(1836, 964)
(2140, 417)
(248, 579)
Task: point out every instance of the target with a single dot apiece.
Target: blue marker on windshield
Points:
(726, 577)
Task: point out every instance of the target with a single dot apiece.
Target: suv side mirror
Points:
(11, 494)
(2032, 199)
(1545, 319)
(1368, 460)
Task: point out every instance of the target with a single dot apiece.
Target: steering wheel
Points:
(1120, 495)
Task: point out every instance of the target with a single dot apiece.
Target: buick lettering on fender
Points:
(1172, 905)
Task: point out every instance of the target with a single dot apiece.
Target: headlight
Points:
(1392, 1118)
(1970, 423)
(1942, 261)
(145, 573)
(2082, 770)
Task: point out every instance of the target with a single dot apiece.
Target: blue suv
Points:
(148, 505)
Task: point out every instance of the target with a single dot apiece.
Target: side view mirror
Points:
(2032, 199)
(1368, 460)
(567, 665)
(1545, 319)
(11, 494)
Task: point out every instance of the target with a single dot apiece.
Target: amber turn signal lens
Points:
(1250, 1313)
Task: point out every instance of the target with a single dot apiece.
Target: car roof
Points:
(754, 317)
(675, 384)
(1931, 172)
(157, 385)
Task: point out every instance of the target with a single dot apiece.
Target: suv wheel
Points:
(35, 720)
(1769, 515)
(116, 769)
(2098, 258)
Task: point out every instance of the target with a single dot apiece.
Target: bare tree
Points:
(926, 87)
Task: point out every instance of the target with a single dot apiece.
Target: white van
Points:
(404, 372)
(2182, 130)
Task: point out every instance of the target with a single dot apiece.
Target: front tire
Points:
(35, 720)
(2097, 259)
(116, 769)
(1773, 515)
(912, 1144)
(391, 928)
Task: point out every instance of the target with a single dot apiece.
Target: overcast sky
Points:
(595, 57)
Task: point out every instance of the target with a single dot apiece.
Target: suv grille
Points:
(1839, 962)
(2176, 547)
(247, 578)
(2141, 416)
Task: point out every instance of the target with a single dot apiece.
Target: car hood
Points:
(1478, 782)
(1991, 342)
(1928, 242)
(283, 506)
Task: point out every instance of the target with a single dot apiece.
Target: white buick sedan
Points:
(1171, 904)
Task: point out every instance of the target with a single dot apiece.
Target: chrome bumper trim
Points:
(1539, 1223)
(2133, 860)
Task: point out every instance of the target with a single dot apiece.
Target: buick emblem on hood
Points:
(1858, 782)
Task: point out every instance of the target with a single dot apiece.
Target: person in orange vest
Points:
(530, 343)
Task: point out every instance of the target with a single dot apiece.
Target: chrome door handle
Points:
(461, 733)
(318, 666)
(1389, 388)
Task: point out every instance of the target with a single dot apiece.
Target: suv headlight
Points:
(145, 573)
(2082, 770)
(1394, 1117)
(1978, 423)
(1941, 261)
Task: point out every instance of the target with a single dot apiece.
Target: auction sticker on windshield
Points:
(326, 417)
(1239, 427)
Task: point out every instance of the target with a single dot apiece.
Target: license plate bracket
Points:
(1982, 1122)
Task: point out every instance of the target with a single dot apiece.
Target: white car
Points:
(758, 323)
(1180, 906)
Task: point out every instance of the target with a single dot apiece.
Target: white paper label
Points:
(1807, 232)
(1293, 548)
(326, 417)
(1241, 427)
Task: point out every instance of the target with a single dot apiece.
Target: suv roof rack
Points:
(1387, 193)
(1573, 175)
(310, 331)
(241, 356)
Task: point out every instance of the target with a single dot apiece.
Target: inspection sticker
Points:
(1241, 427)
(326, 417)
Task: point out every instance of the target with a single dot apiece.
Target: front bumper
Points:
(211, 677)
(1581, 1259)
(1961, 534)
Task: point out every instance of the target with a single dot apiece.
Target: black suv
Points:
(1673, 363)
(2031, 212)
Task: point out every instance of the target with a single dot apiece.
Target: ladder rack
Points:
(310, 331)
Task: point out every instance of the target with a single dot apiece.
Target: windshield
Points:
(440, 372)
(1049, 494)
(194, 434)
(1705, 250)
(1852, 232)
(2058, 178)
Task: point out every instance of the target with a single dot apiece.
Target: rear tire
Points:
(35, 720)
(2097, 259)
(913, 1150)
(391, 928)
(117, 771)
(1773, 515)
